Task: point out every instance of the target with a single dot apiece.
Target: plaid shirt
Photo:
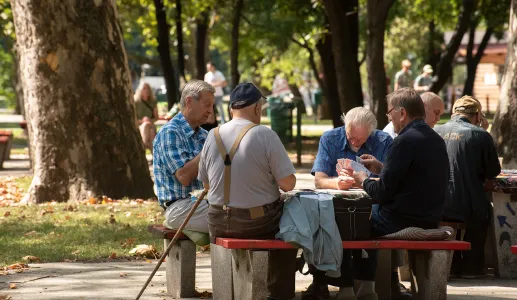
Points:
(175, 145)
(334, 145)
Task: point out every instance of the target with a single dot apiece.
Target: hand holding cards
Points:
(347, 164)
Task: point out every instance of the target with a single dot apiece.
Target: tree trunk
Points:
(505, 121)
(444, 69)
(234, 52)
(473, 61)
(201, 38)
(324, 47)
(377, 12)
(342, 16)
(17, 83)
(78, 101)
(165, 54)
(179, 33)
(433, 55)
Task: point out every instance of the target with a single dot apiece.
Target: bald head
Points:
(434, 108)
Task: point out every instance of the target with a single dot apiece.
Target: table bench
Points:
(239, 266)
(4, 144)
(514, 249)
(180, 265)
(7, 151)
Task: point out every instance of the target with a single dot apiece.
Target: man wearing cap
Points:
(177, 148)
(424, 81)
(243, 165)
(473, 159)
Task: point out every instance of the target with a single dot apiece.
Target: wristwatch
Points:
(362, 183)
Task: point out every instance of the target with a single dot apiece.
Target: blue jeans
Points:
(383, 223)
(220, 109)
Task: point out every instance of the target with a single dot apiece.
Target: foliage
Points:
(7, 54)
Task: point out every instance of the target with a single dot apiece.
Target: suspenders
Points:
(227, 158)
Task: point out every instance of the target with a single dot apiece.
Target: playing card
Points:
(350, 164)
(359, 160)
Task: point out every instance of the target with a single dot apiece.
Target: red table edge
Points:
(514, 249)
(230, 243)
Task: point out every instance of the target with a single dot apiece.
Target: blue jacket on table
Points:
(413, 184)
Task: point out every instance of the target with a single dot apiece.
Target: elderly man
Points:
(177, 148)
(356, 138)
(473, 159)
(243, 165)
(434, 108)
(413, 183)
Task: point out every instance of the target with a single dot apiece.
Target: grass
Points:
(75, 232)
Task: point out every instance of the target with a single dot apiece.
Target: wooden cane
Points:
(174, 239)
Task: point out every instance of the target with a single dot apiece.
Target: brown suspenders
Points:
(228, 157)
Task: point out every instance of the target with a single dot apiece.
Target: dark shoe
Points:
(400, 292)
(316, 292)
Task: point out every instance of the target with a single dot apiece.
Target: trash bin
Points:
(281, 116)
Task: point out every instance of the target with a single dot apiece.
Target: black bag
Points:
(353, 218)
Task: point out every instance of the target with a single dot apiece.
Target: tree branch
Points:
(484, 43)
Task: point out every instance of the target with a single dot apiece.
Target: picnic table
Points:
(504, 222)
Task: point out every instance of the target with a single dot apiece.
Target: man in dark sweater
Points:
(413, 182)
(473, 159)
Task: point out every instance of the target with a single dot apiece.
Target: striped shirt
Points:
(175, 144)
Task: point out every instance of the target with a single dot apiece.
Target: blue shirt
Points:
(334, 145)
(175, 144)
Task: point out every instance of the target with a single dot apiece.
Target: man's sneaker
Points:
(316, 292)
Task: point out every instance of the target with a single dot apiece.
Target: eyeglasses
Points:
(388, 114)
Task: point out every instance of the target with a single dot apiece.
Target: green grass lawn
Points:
(84, 232)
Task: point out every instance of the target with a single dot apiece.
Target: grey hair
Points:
(360, 116)
(428, 97)
(193, 89)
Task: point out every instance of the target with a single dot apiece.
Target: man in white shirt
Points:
(218, 81)
(434, 108)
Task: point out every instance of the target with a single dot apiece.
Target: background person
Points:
(146, 108)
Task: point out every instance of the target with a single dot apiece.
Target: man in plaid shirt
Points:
(177, 149)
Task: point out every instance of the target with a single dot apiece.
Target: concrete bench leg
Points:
(383, 275)
(180, 269)
(222, 273)
(428, 269)
(250, 270)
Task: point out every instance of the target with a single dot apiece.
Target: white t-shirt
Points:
(389, 129)
(215, 77)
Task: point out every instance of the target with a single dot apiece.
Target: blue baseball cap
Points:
(244, 95)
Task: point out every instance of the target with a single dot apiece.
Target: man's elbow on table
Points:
(288, 183)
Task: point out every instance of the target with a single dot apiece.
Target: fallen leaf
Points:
(122, 274)
(31, 258)
(113, 255)
(17, 266)
(128, 214)
(7, 214)
(148, 261)
(52, 233)
(2, 297)
(46, 211)
(112, 219)
(12, 286)
(76, 252)
(31, 233)
(141, 215)
(205, 295)
(128, 243)
(92, 200)
(67, 218)
(148, 251)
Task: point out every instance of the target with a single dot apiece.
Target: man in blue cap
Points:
(243, 165)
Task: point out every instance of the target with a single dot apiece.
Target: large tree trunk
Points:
(342, 16)
(505, 121)
(444, 70)
(324, 47)
(179, 33)
(473, 60)
(165, 54)
(78, 101)
(377, 12)
(234, 52)
(201, 41)
(433, 54)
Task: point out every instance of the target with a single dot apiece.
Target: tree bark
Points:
(505, 121)
(234, 52)
(377, 12)
(165, 53)
(179, 33)
(473, 60)
(342, 16)
(17, 83)
(78, 101)
(201, 39)
(433, 55)
(444, 69)
(331, 94)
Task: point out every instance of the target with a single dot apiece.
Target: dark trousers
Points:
(353, 266)
(472, 261)
(238, 223)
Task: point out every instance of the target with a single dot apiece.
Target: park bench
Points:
(240, 266)
(514, 249)
(7, 151)
(180, 265)
(4, 142)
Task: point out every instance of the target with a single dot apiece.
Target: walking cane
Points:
(174, 239)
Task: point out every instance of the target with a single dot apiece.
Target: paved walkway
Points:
(123, 280)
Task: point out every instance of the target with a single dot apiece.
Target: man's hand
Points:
(344, 182)
(371, 163)
(360, 177)
(484, 123)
